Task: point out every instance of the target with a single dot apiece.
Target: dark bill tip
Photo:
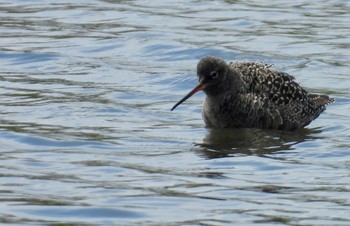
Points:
(196, 89)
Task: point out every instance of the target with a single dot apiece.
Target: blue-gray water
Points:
(86, 132)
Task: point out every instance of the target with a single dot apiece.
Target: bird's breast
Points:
(218, 112)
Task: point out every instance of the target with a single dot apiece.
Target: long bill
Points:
(196, 89)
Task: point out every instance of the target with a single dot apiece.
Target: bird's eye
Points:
(214, 74)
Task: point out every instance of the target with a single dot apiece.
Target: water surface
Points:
(87, 136)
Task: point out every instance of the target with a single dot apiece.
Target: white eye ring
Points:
(214, 74)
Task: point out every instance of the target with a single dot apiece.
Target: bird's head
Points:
(211, 72)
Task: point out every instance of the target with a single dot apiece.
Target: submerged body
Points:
(252, 95)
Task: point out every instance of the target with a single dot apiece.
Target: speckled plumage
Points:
(252, 95)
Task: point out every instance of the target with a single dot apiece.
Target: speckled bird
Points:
(253, 95)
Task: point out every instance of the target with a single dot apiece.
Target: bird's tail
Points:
(321, 99)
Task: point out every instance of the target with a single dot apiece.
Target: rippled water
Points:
(86, 132)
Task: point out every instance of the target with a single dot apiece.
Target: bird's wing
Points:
(261, 79)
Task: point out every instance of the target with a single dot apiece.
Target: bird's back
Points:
(274, 100)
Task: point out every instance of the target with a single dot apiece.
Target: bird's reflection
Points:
(229, 142)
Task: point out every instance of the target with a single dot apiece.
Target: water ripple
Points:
(86, 132)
